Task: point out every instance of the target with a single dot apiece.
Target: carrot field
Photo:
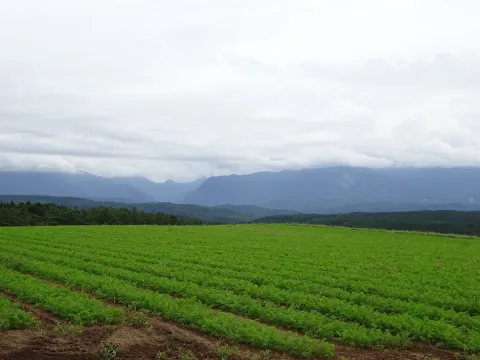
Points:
(297, 289)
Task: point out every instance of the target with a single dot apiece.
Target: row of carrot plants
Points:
(296, 294)
(74, 306)
(254, 245)
(277, 264)
(186, 311)
(314, 323)
(12, 317)
(318, 282)
(311, 323)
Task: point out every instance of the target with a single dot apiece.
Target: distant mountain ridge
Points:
(345, 189)
(329, 190)
(85, 185)
(168, 191)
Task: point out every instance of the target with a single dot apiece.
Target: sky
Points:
(185, 89)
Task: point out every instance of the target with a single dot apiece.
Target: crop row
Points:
(318, 283)
(186, 311)
(407, 283)
(286, 245)
(76, 307)
(296, 294)
(314, 323)
(12, 317)
(266, 259)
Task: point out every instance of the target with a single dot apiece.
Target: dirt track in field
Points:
(162, 340)
(159, 340)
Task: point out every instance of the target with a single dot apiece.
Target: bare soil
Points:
(162, 340)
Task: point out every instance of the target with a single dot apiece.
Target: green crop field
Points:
(298, 289)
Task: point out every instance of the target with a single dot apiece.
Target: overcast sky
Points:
(182, 89)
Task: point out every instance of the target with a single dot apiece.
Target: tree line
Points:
(209, 215)
(440, 221)
(35, 214)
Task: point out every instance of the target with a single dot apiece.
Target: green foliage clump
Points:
(110, 353)
(12, 317)
(76, 307)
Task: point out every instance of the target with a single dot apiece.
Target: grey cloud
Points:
(182, 89)
(444, 71)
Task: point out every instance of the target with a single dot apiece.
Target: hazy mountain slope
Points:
(37, 183)
(168, 191)
(334, 186)
(325, 190)
(255, 211)
(100, 188)
(328, 190)
(68, 184)
(438, 185)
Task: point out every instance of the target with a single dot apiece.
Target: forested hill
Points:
(221, 214)
(452, 222)
(33, 214)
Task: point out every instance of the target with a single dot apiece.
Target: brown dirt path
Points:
(162, 340)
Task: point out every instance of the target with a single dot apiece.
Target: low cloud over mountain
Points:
(181, 90)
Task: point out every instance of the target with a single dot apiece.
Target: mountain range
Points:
(320, 190)
(346, 189)
(168, 191)
(89, 186)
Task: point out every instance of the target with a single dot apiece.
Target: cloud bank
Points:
(187, 89)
